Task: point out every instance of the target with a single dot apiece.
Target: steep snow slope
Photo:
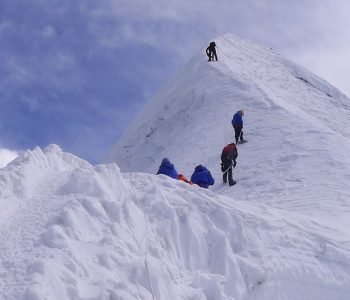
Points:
(296, 123)
(70, 230)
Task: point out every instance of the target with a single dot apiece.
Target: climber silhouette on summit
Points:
(211, 52)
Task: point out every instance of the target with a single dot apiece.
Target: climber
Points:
(167, 168)
(237, 123)
(228, 161)
(202, 177)
(211, 51)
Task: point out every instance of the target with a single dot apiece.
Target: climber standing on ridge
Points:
(228, 161)
(202, 177)
(237, 123)
(211, 52)
(167, 168)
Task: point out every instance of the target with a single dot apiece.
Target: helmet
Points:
(242, 112)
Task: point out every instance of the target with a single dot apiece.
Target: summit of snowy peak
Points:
(196, 105)
(296, 124)
(248, 57)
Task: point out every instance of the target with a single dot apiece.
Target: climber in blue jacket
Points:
(167, 168)
(237, 123)
(202, 177)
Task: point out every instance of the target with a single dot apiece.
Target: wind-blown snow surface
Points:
(297, 157)
(70, 230)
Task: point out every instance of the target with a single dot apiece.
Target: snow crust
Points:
(71, 230)
(78, 231)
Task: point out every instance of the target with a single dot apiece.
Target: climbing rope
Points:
(228, 169)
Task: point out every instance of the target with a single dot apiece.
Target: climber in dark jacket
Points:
(228, 161)
(167, 168)
(237, 123)
(211, 51)
(202, 177)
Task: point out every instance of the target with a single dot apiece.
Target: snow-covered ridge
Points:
(197, 105)
(297, 157)
(91, 232)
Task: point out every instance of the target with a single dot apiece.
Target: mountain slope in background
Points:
(296, 123)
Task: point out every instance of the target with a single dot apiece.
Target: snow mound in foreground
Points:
(79, 231)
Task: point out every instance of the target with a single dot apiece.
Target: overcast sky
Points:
(76, 72)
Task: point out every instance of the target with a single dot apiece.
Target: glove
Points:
(234, 164)
(222, 168)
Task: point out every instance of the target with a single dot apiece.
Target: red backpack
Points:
(229, 152)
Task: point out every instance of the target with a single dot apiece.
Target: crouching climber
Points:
(202, 177)
(167, 168)
(228, 161)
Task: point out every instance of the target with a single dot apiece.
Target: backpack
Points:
(183, 178)
(229, 152)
